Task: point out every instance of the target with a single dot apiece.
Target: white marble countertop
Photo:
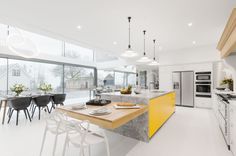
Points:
(223, 92)
(146, 94)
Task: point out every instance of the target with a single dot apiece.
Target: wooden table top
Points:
(115, 119)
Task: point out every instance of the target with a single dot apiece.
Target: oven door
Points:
(203, 88)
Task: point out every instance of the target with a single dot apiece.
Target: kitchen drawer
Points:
(233, 128)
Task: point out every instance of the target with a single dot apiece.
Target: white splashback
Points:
(230, 62)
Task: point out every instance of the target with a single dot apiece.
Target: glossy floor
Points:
(188, 132)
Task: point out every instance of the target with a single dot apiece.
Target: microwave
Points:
(203, 76)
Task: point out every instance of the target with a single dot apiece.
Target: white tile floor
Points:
(189, 132)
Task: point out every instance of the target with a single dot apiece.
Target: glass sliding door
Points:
(78, 82)
(119, 80)
(131, 79)
(106, 78)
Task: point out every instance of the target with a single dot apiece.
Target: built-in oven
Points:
(203, 89)
(203, 76)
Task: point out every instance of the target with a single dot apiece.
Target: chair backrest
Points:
(82, 128)
(59, 98)
(19, 102)
(59, 120)
(42, 100)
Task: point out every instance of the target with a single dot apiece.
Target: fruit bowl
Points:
(125, 92)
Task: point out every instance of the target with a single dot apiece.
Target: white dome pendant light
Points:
(144, 59)
(154, 62)
(129, 52)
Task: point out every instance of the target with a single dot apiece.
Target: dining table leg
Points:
(4, 110)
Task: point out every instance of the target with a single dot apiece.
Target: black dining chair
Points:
(58, 99)
(18, 104)
(41, 101)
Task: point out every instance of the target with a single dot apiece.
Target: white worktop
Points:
(146, 94)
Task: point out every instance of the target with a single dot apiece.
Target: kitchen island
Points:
(161, 105)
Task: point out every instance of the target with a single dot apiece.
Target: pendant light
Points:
(144, 59)
(129, 52)
(154, 62)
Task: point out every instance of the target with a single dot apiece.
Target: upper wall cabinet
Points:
(227, 43)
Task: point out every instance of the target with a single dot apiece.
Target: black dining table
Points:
(5, 99)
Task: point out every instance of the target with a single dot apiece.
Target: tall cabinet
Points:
(227, 48)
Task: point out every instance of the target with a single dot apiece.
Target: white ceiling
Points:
(105, 21)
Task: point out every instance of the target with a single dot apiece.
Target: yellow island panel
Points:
(160, 109)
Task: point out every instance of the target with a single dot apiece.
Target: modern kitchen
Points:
(118, 78)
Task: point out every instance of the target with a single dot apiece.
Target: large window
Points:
(3, 35)
(78, 82)
(44, 44)
(32, 74)
(131, 79)
(3, 76)
(115, 79)
(119, 80)
(74, 51)
(106, 78)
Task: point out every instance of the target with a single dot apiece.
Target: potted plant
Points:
(229, 82)
(45, 87)
(18, 89)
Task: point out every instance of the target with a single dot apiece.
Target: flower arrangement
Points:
(18, 89)
(45, 87)
(229, 82)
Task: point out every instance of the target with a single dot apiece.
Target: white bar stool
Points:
(85, 138)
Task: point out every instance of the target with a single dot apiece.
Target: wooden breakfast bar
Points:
(140, 124)
(115, 119)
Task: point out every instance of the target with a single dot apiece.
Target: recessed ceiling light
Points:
(115, 43)
(79, 27)
(190, 24)
(194, 42)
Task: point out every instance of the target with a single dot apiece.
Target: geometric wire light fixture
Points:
(144, 59)
(129, 52)
(154, 62)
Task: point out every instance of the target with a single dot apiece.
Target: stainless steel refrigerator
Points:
(183, 85)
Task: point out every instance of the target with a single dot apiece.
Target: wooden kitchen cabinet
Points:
(227, 43)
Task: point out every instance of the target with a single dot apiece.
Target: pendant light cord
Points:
(144, 32)
(129, 19)
(154, 50)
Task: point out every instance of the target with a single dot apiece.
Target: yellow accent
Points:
(160, 109)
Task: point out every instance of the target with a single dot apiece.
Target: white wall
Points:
(191, 55)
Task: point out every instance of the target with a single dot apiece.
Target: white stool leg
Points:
(44, 137)
(81, 151)
(89, 150)
(55, 144)
(106, 143)
(65, 144)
